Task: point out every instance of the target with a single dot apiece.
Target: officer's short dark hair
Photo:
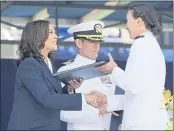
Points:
(149, 16)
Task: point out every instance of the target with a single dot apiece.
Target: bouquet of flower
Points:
(168, 100)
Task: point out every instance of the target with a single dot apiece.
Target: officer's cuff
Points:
(108, 106)
(111, 77)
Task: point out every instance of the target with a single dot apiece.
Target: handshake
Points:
(94, 98)
(97, 100)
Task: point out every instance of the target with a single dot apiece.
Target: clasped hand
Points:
(94, 98)
(97, 100)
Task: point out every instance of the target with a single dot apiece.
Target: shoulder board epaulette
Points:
(67, 62)
(141, 36)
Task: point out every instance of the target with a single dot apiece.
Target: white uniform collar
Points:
(146, 33)
(83, 60)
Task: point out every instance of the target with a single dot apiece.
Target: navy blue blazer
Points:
(38, 98)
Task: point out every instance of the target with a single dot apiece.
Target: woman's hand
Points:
(96, 99)
(74, 84)
(108, 67)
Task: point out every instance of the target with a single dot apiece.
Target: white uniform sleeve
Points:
(80, 116)
(115, 102)
(135, 74)
(117, 77)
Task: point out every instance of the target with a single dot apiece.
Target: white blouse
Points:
(49, 65)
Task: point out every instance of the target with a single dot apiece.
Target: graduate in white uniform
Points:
(87, 38)
(144, 77)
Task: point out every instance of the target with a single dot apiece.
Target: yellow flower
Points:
(170, 125)
(167, 100)
(167, 96)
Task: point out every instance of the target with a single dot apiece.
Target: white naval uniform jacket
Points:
(88, 118)
(143, 82)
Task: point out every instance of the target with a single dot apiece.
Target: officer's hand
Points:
(102, 100)
(98, 100)
(74, 84)
(102, 110)
(94, 99)
(108, 67)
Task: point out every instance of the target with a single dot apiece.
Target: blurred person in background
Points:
(38, 97)
(144, 77)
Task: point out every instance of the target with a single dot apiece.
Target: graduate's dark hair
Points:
(149, 16)
(33, 38)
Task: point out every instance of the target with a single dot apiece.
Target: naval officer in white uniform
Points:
(144, 77)
(87, 38)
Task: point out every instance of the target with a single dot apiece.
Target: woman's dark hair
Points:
(149, 16)
(33, 38)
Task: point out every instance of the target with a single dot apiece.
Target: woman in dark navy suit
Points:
(38, 97)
